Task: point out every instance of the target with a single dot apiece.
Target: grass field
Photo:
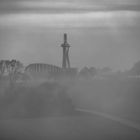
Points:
(24, 110)
(116, 96)
(79, 127)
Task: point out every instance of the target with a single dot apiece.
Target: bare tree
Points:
(15, 70)
(4, 66)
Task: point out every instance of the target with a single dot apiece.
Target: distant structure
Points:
(15, 71)
(49, 71)
(65, 46)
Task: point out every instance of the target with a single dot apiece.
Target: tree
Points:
(92, 71)
(4, 66)
(88, 72)
(135, 70)
(15, 69)
(106, 69)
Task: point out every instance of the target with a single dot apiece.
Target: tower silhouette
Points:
(65, 46)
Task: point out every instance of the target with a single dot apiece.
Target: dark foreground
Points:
(76, 127)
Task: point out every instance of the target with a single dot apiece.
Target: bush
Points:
(43, 100)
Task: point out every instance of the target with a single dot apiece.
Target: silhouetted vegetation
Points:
(47, 99)
(135, 70)
(88, 72)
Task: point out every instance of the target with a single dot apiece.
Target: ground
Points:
(76, 127)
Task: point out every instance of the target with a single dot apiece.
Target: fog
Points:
(101, 33)
(104, 48)
(33, 100)
(116, 96)
(38, 105)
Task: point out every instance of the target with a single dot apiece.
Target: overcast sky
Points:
(100, 32)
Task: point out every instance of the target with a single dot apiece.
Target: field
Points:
(47, 111)
(80, 127)
(115, 96)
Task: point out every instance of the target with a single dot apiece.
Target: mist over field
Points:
(69, 69)
(50, 106)
(31, 101)
(113, 95)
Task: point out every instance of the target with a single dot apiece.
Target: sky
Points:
(101, 32)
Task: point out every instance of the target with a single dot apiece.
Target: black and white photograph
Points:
(69, 69)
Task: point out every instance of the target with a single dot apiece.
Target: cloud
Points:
(87, 19)
(15, 6)
(84, 5)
